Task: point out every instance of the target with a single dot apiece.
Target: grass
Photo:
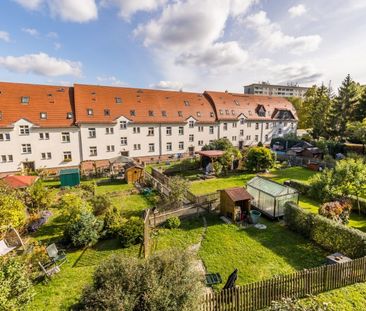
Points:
(257, 254)
(296, 173)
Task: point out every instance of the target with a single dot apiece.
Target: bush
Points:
(259, 159)
(173, 222)
(12, 212)
(72, 205)
(113, 221)
(100, 203)
(338, 211)
(39, 198)
(217, 166)
(166, 281)
(84, 230)
(329, 234)
(131, 232)
(16, 287)
(89, 187)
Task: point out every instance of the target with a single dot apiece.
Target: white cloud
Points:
(295, 72)
(167, 85)
(297, 10)
(273, 38)
(41, 64)
(4, 36)
(79, 11)
(52, 35)
(30, 4)
(111, 80)
(31, 31)
(129, 7)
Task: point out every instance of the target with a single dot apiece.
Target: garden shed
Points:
(133, 172)
(70, 177)
(235, 203)
(270, 197)
(208, 157)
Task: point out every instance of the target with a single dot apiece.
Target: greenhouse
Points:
(270, 197)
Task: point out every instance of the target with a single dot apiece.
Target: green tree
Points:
(164, 282)
(100, 203)
(131, 231)
(218, 144)
(12, 211)
(16, 287)
(356, 131)
(228, 158)
(259, 159)
(302, 111)
(72, 205)
(39, 198)
(178, 187)
(359, 113)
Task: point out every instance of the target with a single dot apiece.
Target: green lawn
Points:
(257, 254)
(296, 173)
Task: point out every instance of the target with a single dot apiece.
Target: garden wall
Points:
(325, 232)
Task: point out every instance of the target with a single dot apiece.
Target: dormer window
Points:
(236, 102)
(233, 112)
(163, 113)
(133, 113)
(25, 100)
(227, 112)
(43, 115)
(118, 100)
(211, 114)
(69, 115)
(89, 112)
(198, 114)
(186, 103)
(180, 113)
(221, 111)
(191, 124)
(151, 113)
(107, 112)
(261, 111)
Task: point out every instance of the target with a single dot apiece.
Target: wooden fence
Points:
(157, 184)
(255, 296)
(146, 241)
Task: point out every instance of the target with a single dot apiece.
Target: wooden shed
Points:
(235, 203)
(133, 173)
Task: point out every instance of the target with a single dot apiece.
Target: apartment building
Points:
(54, 127)
(267, 89)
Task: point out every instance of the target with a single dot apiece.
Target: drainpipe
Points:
(160, 145)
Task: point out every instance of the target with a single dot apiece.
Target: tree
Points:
(359, 112)
(12, 211)
(338, 211)
(356, 131)
(259, 159)
(178, 187)
(228, 158)
(100, 203)
(166, 281)
(302, 112)
(72, 205)
(218, 144)
(131, 231)
(16, 287)
(39, 198)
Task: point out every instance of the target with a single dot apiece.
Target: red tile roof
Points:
(15, 181)
(56, 101)
(143, 102)
(230, 105)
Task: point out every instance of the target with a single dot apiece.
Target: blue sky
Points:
(189, 44)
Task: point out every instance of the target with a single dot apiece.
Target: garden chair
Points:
(10, 241)
(56, 255)
(49, 270)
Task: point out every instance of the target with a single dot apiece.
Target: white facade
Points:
(267, 89)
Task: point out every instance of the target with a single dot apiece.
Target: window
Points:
(92, 132)
(109, 130)
(235, 125)
(241, 133)
(136, 147)
(249, 124)
(93, 151)
(211, 130)
(26, 148)
(266, 137)
(24, 130)
(181, 145)
(248, 137)
(123, 141)
(4, 136)
(292, 125)
(132, 113)
(221, 111)
(67, 156)
(256, 137)
(43, 115)
(225, 126)
(227, 112)
(151, 147)
(3, 158)
(267, 125)
(200, 129)
(285, 124)
(181, 130)
(242, 120)
(44, 136)
(191, 124)
(163, 113)
(280, 131)
(107, 112)
(46, 155)
(200, 143)
(191, 137)
(233, 112)
(168, 146)
(150, 131)
(198, 114)
(25, 100)
(233, 138)
(169, 131)
(110, 148)
(118, 100)
(180, 113)
(65, 137)
(236, 102)
(186, 103)
(257, 126)
(151, 113)
(136, 130)
(69, 115)
(212, 114)
(122, 125)
(8, 158)
(89, 112)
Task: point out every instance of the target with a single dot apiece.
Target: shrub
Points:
(89, 187)
(178, 187)
(289, 304)
(259, 159)
(173, 222)
(217, 166)
(12, 212)
(39, 198)
(131, 232)
(327, 233)
(338, 211)
(166, 281)
(100, 203)
(38, 254)
(16, 287)
(84, 230)
(113, 221)
(72, 205)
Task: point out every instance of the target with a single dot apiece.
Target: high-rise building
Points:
(267, 89)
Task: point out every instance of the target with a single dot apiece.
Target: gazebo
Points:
(270, 197)
(208, 157)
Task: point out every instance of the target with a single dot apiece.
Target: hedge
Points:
(332, 236)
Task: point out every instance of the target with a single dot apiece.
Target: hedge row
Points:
(330, 235)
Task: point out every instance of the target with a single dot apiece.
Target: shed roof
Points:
(15, 181)
(269, 186)
(238, 194)
(69, 171)
(211, 153)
